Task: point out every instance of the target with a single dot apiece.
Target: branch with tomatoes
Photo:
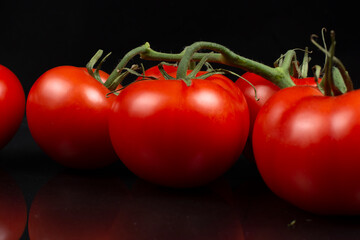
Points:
(303, 136)
(182, 126)
(259, 82)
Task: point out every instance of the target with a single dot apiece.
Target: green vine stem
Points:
(278, 75)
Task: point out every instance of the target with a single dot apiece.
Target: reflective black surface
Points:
(112, 203)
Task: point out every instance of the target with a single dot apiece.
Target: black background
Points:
(37, 36)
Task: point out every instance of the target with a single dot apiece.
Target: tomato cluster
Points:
(181, 127)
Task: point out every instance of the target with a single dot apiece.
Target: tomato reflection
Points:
(73, 206)
(76, 206)
(163, 213)
(265, 216)
(13, 211)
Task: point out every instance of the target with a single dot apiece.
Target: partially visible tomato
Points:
(306, 149)
(67, 113)
(12, 105)
(179, 135)
(265, 89)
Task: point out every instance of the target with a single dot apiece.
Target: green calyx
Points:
(90, 65)
(336, 79)
(296, 69)
(183, 67)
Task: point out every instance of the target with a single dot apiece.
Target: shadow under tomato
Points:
(13, 210)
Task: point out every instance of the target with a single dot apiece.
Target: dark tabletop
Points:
(112, 203)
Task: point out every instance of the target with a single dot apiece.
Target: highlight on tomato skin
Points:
(178, 135)
(12, 105)
(67, 114)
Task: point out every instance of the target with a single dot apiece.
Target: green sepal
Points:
(339, 83)
(97, 70)
(317, 72)
(304, 68)
(118, 80)
(163, 72)
(188, 82)
(209, 74)
(90, 65)
(197, 68)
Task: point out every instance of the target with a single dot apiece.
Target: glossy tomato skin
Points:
(12, 105)
(177, 135)
(67, 113)
(265, 89)
(306, 149)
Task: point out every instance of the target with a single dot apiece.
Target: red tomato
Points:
(265, 89)
(306, 149)
(13, 212)
(12, 105)
(67, 113)
(179, 135)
